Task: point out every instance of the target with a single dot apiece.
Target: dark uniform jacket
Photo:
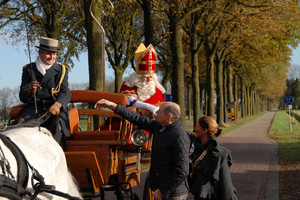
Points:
(44, 95)
(169, 156)
(212, 179)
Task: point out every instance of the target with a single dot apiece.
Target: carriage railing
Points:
(108, 123)
(111, 128)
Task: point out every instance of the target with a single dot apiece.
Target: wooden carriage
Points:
(104, 150)
(101, 154)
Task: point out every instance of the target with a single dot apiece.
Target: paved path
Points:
(255, 163)
(255, 166)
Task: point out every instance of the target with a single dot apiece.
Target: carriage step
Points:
(129, 165)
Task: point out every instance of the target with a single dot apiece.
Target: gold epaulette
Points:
(66, 66)
(26, 65)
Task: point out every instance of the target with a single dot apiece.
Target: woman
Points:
(210, 163)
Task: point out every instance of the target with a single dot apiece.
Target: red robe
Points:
(157, 97)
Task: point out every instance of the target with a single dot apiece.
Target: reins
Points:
(32, 123)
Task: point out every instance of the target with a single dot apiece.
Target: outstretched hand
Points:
(106, 104)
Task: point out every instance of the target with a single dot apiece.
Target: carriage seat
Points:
(74, 120)
(96, 135)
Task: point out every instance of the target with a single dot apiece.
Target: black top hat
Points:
(48, 44)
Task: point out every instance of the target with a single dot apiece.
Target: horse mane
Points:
(45, 131)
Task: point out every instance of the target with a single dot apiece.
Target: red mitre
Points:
(145, 59)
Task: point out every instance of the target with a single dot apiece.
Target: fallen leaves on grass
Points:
(289, 180)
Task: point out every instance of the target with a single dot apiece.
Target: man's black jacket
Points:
(170, 153)
(43, 94)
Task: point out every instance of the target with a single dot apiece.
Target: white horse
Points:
(46, 156)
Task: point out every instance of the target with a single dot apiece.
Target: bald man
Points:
(170, 148)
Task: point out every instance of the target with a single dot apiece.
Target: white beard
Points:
(145, 90)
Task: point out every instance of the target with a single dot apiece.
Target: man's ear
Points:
(170, 119)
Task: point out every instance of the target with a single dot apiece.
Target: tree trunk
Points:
(190, 96)
(195, 79)
(248, 91)
(210, 56)
(96, 50)
(211, 86)
(220, 93)
(95, 47)
(251, 100)
(206, 99)
(148, 24)
(177, 65)
(225, 94)
(242, 91)
(236, 98)
(255, 102)
(119, 71)
(202, 97)
(230, 84)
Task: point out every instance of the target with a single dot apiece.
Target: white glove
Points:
(131, 101)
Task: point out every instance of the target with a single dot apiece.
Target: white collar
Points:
(41, 66)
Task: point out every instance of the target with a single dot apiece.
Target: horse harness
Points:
(15, 190)
(10, 188)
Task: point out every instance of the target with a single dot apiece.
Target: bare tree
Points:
(6, 101)
(294, 72)
(79, 86)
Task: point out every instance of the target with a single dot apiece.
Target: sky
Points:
(13, 58)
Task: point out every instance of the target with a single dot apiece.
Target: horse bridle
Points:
(22, 174)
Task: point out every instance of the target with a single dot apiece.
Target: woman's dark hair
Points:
(211, 125)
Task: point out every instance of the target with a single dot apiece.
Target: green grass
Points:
(289, 142)
(296, 115)
(83, 124)
(145, 166)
